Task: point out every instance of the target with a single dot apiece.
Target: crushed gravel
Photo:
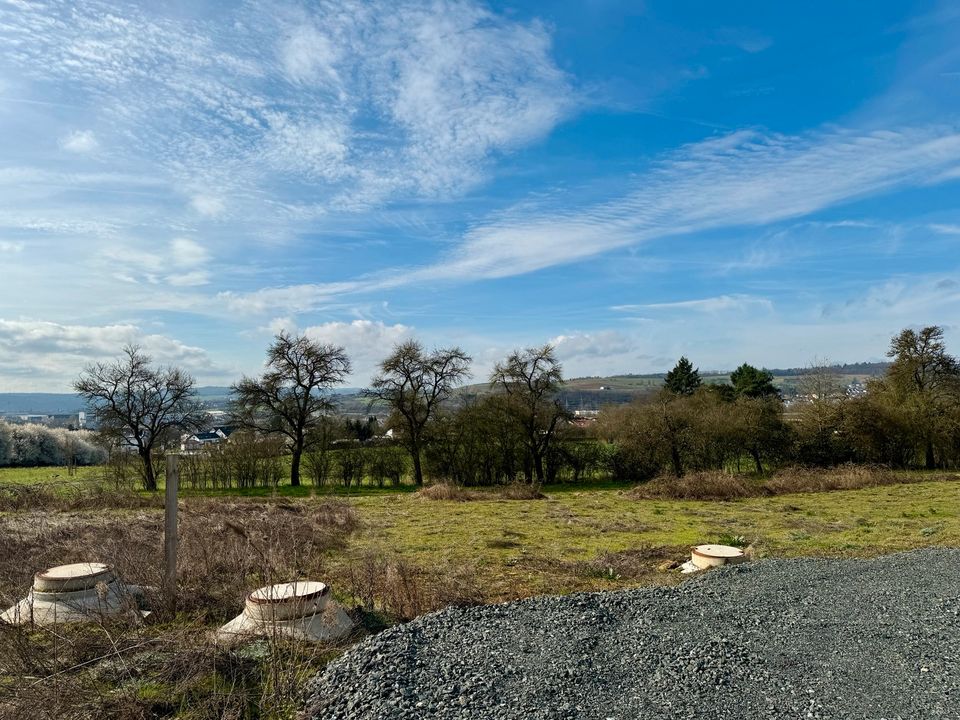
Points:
(868, 639)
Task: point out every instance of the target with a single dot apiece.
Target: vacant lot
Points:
(392, 556)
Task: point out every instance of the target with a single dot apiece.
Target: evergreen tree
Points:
(684, 379)
(750, 382)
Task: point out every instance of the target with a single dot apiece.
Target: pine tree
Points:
(750, 382)
(684, 379)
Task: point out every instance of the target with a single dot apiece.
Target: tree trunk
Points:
(149, 479)
(930, 460)
(756, 459)
(538, 467)
(677, 463)
(295, 466)
(417, 466)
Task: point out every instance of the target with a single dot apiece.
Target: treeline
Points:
(335, 456)
(520, 430)
(31, 445)
(909, 418)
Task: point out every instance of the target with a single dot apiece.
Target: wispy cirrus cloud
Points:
(180, 263)
(746, 178)
(715, 304)
(945, 228)
(365, 101)
(743, 178)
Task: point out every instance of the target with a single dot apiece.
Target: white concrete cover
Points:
(286, 591)
(718, 551)
(708, 556)
(286, 601)
(72, 593)
(76, 576)
(300, 609)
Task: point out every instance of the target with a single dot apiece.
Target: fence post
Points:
(172, 482)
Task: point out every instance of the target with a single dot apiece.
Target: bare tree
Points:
(531, 379)
(139, 405)
(819, 413)
(292, 396)
(413, 383)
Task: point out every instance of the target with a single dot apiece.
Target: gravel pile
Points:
(870, 639)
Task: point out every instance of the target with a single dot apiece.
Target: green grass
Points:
(588, 537)
(40, 475)
(540, 546)
(301, 491)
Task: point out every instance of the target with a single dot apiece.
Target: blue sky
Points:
(631, 181)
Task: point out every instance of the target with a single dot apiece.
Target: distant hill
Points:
(582, 392)
(39, 403)
(590, 393)
(213, 396)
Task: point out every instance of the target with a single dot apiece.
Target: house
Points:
(197, 441)
(223, 431)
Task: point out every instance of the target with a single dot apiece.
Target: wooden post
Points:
(170, 528)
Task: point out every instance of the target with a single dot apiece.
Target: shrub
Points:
(706, 485)
(32, 445)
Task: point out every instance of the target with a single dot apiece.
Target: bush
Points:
(705, 485)
(32, 445)
(446, 491)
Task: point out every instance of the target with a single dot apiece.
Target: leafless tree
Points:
(531, 379)
(413, 383)
(292, 396)
(139, 405)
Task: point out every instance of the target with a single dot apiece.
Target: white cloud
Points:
(50, 355)
(317, 150)
(600, 343)
(8, 246)
(208, 205)
(367, 342)
(366, 101)
(744, 178)
(292, 299)
(308, 56)
(945, 229)
(185, 252)
(719, 303)
(180, 264)
(281, 324)
(189, 279)
(82, 142)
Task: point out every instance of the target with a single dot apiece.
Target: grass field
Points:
(592, 536)
(391, 555)
(46, 475)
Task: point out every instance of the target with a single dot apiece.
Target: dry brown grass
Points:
(843, 477)
(635, 566)
(448, 492)
(455, 493)
(717, 485)
(79, 495)
(710, 485)
(520, 491)
(403, 590)
(124, 670)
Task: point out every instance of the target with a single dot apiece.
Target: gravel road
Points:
(868, 639)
